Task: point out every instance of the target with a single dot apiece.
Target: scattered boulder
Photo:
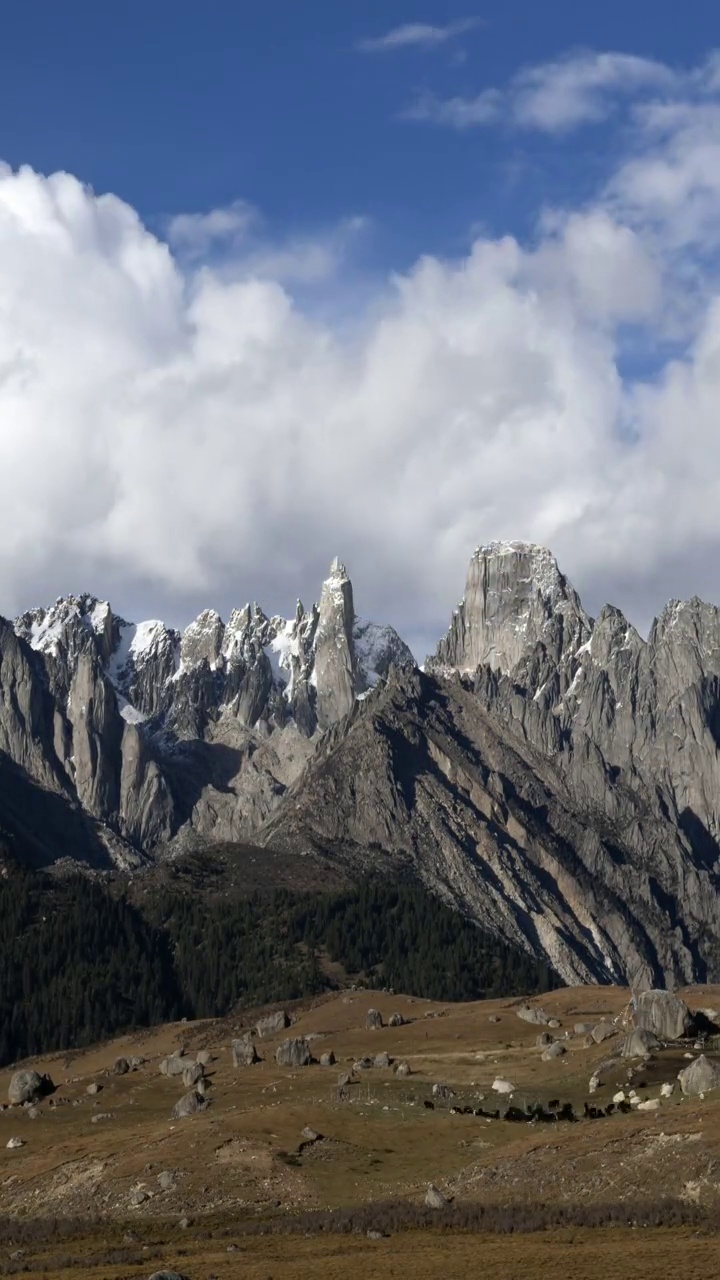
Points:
(503, 1086)
(311, 1135)
(396, 1020)
(175, 1065)
(434, 1198)
(583, 1028)
(271, 1024)
(373, 1020)
(28, 1086)
(203, 1057)
(663, 1014)
(667, 1090)
(639, 1044)
(543, 1040)
(382, 1060)
(120, 1067)
(588, 1042)
(136, 1063)
(594, 1082)
(603, 1031)
(345, 1078)
(14, 1143)
(33, 1112)
(166, 1180)
(651, 1104)
(138, 1197)
(619, 1096)
(443, 1091)
(188, 1105)
(700, 1077)
(93, 1088)
(529, 1013)
(403, 1069)
(555, 1050)
(493, 1018)
(293, 1053)
(554, 1023)
(101, 1115)
(168, 1275)
(327, 1059)
(363, 1064)
(244, 1053)
(192, 1074)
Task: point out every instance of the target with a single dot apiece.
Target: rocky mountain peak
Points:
(515, 597)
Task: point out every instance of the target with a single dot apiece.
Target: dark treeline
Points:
(80, 961)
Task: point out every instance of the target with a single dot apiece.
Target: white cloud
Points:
(176, 436)
(195, 233)
(414, 34)
(552, 97)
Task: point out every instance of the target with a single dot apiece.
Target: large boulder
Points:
(175, 1065)
(700, 1076)
(244, 1053)
(192, 1074)
(28, 1086)
(396, 1020)
(293, 1053)
(189, 1105)
(529, 1013)
(373, 1020)
(639, 1044)
(662, 1013)
(555, 1050)
(603, 1031)
(271, 1024)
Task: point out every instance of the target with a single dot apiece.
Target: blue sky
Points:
(285, 281)
(179, 106)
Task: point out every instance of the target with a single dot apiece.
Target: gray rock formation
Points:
(28, 1086)
(244, 1053)
(530, 1013)
(373, 1020)
(700, 1076)
(663, 1013)
(188, 1105)
(271, 1024)
(293, 1053)
(639, 1044)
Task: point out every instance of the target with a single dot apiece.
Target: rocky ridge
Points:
(553, 776)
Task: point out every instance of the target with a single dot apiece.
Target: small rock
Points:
(603, 1031)
(554, 1023)
(373, 1020)
(327, 1059)
(403, 1069)
(120, 1067)
(310, 1134)
(345, 1078)
(493, 1018)
(203, 1057)
(175, 1065)
(244, 1053)
(33, 1113)
(166, 1180)
(138, 1197)
(372, 1234)
(667, 1090)
(583, 1028)
(442, 1091)
(14, 1143)
(101, 1115)
(382, 1060)
(170, 1275)
(651, 1104)
(396, 1020)
(136, 1063)
(619, 1096)
(183, 1224)
(93, 1089)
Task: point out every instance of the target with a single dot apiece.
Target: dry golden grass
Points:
(239, 1159)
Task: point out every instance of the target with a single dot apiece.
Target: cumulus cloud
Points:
(178, 433)
(552, 97)
(414, 34)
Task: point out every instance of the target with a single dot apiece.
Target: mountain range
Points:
(554, 777)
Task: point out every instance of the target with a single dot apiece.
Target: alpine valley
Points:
(553, 778)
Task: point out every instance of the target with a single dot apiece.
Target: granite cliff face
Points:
(554, 777)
